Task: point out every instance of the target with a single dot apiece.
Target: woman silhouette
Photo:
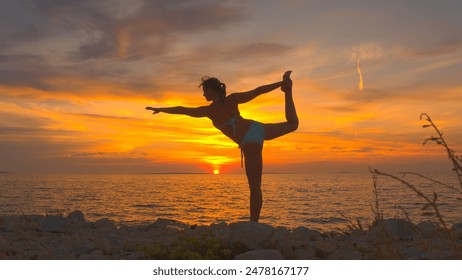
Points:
(248, 134)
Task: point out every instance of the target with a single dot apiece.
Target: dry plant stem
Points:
(431, 203)
(378, 215)
(432, 180)
(405, 213)
(354, 225)
(456, 161)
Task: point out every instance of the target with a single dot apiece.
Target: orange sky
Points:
(75, 78)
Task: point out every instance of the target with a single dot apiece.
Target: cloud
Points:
(74, 46)
(257, 51)
(97, 116)
(365, 52)
(439, 48)
(152, 29)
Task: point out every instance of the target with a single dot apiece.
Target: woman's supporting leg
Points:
(278, 129)
(253, 169)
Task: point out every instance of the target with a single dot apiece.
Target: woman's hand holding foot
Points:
(286, 81)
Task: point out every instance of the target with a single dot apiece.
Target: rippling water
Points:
(320, 201)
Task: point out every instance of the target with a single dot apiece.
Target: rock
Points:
(103, 244)
(134, 256)
(345, 254)
(167, 223)
(253, 235)
(3, 244)
(304, 253)
(324, 248)
(457, 230)
(105, 223)
(220, 231)
(435, 249)
(76, 217)
(303, 236)
(46, 254)
(84, 248)
(394, 229)
(280, 238)
(431, 230)
(358, 243)
(456, 226)
(126, 229)
(55, 237)
(280, 241)
(411, 253)
(18, 223)
(8, 223)
(35, 221)
(95, 255)
(53, 224)
(264, 254)
(66, 256)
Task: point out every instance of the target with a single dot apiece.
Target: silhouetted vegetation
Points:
(431, 202)
(203, 247)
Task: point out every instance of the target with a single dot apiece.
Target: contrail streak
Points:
(361, 84)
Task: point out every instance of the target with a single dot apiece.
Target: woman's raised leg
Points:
(278, 129)
(253, 169)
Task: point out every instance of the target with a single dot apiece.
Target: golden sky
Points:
(75, 77)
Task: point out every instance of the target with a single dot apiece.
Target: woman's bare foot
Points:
(286, 82)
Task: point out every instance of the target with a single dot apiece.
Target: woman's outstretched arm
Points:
(243, 97)
(198, 112)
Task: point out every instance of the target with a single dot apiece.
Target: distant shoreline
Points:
(180, 173)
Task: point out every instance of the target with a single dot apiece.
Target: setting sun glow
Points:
(216, 171)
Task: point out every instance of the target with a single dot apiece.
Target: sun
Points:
(216, 171)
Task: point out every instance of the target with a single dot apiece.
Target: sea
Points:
(325, 202)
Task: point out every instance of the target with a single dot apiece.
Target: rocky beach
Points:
(72, 237)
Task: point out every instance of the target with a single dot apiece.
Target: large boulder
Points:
(253, 235)
(280, 238)
(169, 224)
(303, 236)
(20, 223)
(76, 217)
(220, 231)
(55, 224)
(105, 224)
(392, 229)
(431, 230)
